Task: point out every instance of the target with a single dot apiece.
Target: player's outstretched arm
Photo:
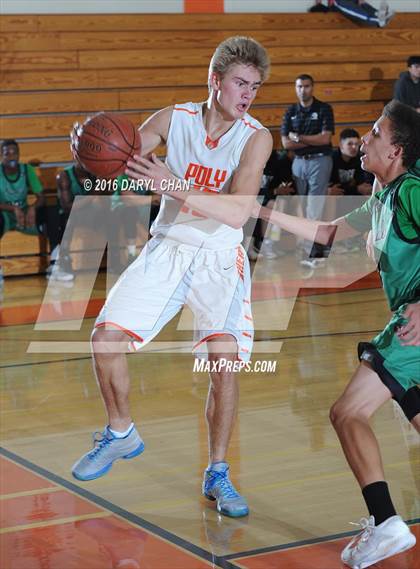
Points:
(322, 232)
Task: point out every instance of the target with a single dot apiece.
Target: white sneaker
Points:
(385, 14)
(376, 543)
(59, 274)
(267, 249)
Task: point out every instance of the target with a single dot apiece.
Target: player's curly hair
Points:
(8, 142)
(405, 129)
(239, 49)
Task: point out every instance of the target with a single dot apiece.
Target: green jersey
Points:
(75, 187)
(393, 214)
(14, 189)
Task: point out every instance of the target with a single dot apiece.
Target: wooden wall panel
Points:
(172, 77)
(58, 102)
(186, 39)
(33, 60)
(156, 98)
(268, 94)
(60, 125)
(19, 23)
(172, 57)
(50, 125)
(235, 22)
(47, 151)
(29, 80)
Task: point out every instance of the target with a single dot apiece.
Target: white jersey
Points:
(208, 166)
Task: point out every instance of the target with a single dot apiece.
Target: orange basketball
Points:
(103, 144)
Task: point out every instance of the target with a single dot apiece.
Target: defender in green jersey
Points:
(390, 363)
(16, 181)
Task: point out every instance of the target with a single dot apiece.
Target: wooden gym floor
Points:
(148, 512)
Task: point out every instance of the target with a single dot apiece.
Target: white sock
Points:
(131, 249)
(54, 253)
(120, 435)
(217, 466)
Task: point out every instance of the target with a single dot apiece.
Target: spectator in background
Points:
(307, 129)
(16, 180)
(407, 87)
(103, 212)
(347, 179)
(278, 182)
(145, 202)
(347, 176)
(70, 183)
(364, 13)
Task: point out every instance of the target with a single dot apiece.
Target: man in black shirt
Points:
(307, 129)
(407, 87)
(347, 176)
(347, 179)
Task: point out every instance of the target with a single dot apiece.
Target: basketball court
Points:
(149, 512)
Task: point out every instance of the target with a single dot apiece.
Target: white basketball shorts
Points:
(214, 284)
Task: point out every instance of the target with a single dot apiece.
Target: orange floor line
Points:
(263, 290)
(66, 310)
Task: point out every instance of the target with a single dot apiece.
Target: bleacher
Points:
(57, 69)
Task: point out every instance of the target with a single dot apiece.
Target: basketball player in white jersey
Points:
(195, 257)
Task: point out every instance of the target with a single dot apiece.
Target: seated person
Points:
(362, 12)
(407, 87)
(277, 181)
(347, 179)
(347, 176)
(16, 180)
(144, 203)
(98, 212)
(111, 215)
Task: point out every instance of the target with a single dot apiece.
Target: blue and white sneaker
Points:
(107, 448)
(217, 486)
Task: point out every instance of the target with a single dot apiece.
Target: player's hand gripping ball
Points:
(103, 144)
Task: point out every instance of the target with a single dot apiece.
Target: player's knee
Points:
(341, 413)
(107, 341)
(415, 421)
(335, 414)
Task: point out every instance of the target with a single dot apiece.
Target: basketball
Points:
(103, 144)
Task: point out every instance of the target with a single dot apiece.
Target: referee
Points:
(307, 129)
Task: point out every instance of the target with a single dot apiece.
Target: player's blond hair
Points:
(239, 49)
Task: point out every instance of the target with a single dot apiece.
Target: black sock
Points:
(378, 501)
